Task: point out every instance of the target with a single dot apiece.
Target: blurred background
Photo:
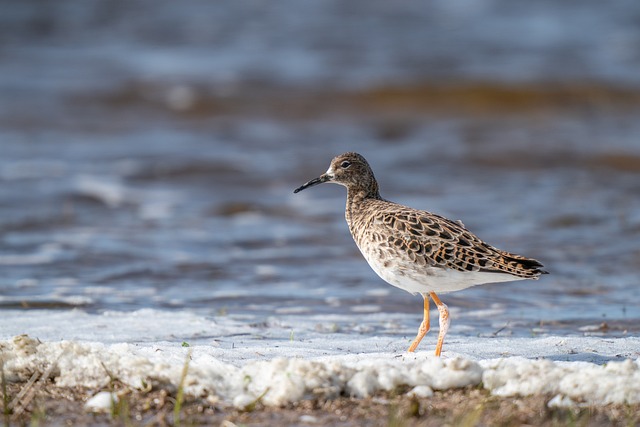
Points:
(148, 153)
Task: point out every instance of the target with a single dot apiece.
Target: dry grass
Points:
(51, 405)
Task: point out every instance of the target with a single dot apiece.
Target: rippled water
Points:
(148, 157)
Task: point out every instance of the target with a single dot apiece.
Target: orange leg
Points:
(424, 326)
(444, 321)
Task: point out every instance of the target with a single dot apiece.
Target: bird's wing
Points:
(448, 244)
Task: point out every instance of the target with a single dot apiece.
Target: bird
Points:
(416, 250)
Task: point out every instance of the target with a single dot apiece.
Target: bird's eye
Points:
(345, 164)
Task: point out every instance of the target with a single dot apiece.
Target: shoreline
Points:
(241, 372)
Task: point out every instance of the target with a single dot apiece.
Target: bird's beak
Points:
(321, 179)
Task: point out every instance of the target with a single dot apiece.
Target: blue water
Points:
(148, 156)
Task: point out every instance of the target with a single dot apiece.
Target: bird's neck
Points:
(356, 198)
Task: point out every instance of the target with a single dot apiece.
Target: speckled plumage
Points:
(416, 250)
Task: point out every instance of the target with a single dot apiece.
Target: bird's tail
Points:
(520, 266)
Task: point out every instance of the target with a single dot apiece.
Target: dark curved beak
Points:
(321, 179)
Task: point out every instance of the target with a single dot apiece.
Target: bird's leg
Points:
(424, 326)
(444, 321)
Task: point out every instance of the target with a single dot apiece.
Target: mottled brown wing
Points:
(438, 241)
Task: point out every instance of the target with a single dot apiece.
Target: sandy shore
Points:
(250, 374)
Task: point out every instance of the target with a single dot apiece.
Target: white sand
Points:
(236, 361)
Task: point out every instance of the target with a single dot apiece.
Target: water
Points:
(148, 157)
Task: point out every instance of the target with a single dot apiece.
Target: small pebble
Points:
(309, 419)
(421, 391)
(101, 402)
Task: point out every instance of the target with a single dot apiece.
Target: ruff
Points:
(415, 250)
